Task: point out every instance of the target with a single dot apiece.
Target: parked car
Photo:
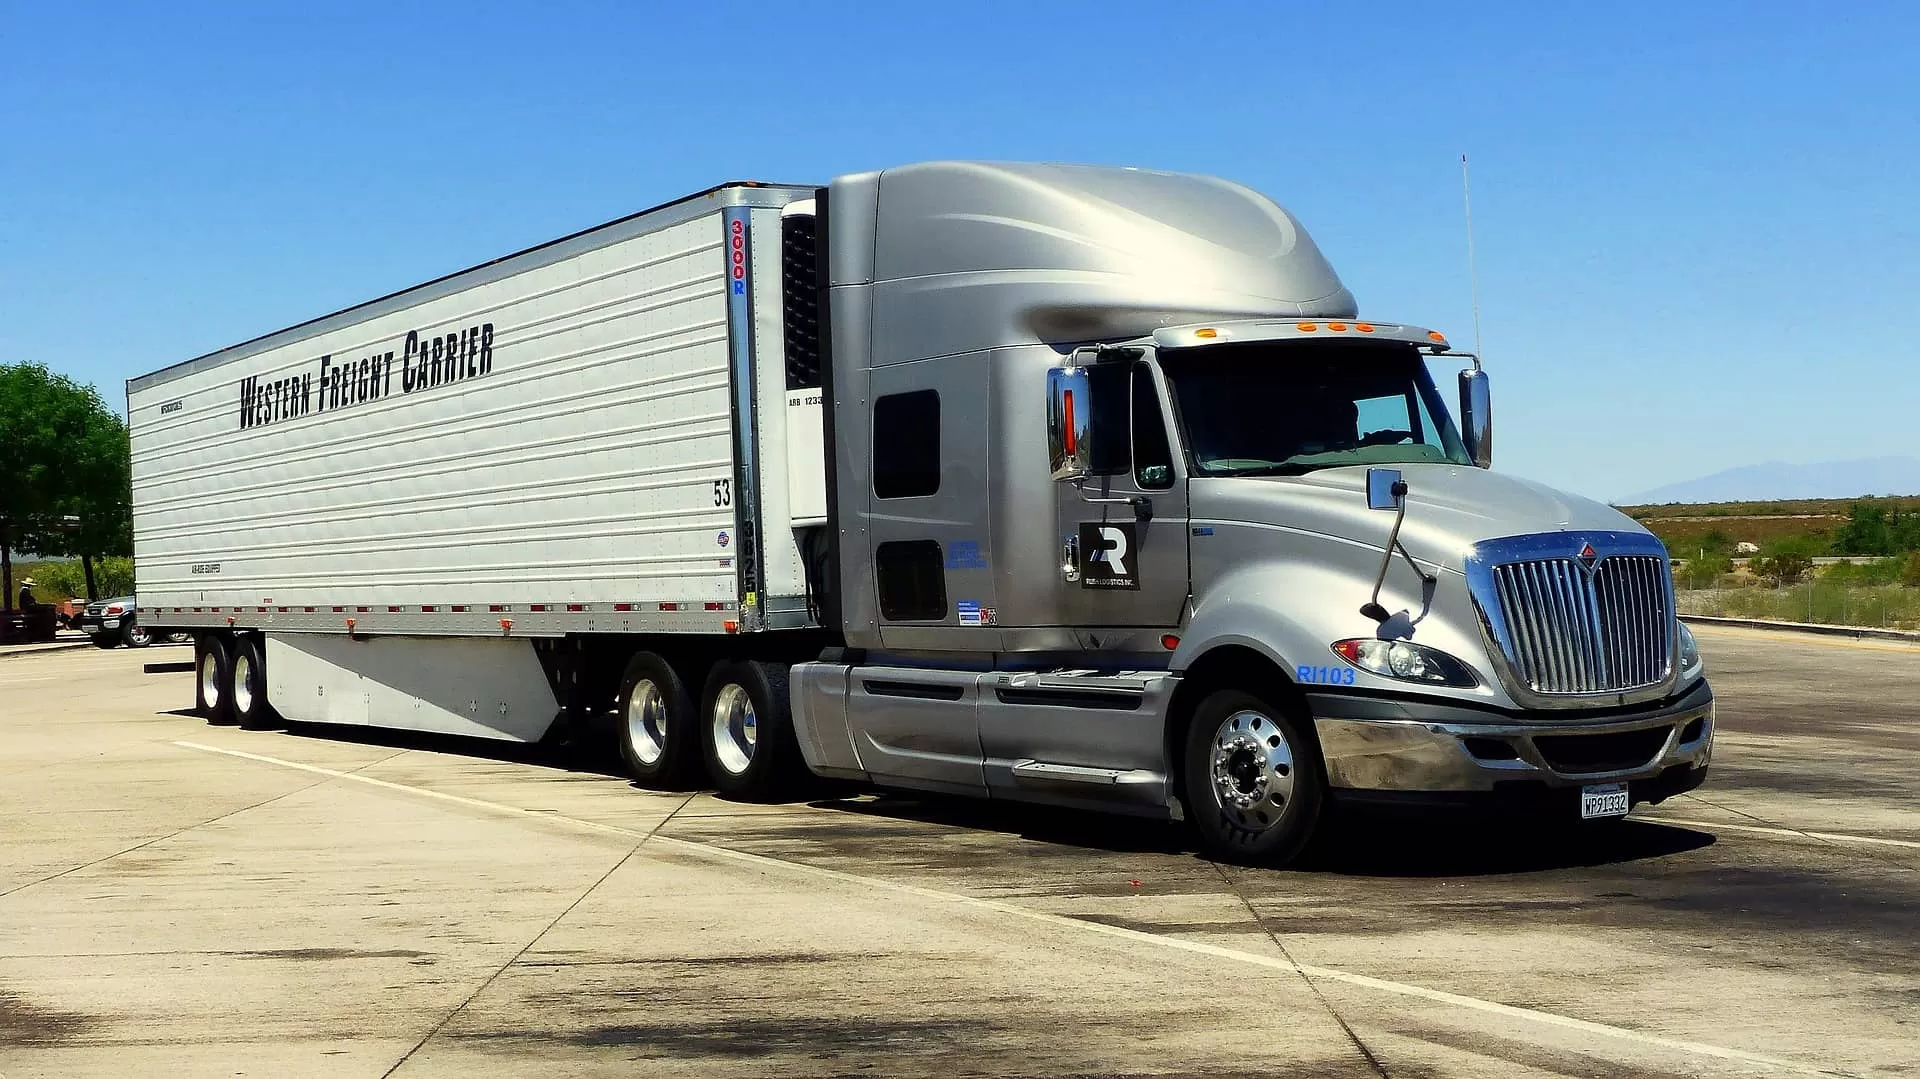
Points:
(113, 622)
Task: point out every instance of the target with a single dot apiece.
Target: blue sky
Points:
(1698, 235)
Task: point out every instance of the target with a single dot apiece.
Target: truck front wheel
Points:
(1253, 783)
(659, 736)
(749, 744)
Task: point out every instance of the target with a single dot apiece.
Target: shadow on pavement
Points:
(1353, 844)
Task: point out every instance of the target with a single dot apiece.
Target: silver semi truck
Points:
(1075, 485)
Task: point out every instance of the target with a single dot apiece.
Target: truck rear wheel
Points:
(659, 734)
(250, 706)
(213, 679)
(1253, 782)
(748, 731)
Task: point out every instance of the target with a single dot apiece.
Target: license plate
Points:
(1603, 800)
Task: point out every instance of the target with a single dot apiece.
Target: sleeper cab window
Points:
(910, 576)
(906, 444)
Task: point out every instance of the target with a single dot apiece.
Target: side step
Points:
(1047, 772)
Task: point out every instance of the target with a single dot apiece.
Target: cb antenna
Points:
(1473, 275)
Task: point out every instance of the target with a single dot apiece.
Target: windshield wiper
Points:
(1287, 468)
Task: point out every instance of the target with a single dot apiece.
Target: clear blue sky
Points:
(1698, 234)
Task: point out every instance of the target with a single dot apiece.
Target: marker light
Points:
(1067, 408)
(1437, 336)
(1305, 327)
(1363, 327)
(1405, 661)
(1209, 334)
(1169, 642)
(1336, 325)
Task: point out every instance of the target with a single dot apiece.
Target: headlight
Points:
(1405, 661)
(1691, 664)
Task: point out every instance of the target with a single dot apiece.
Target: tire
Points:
(251, 708)
(747, 732)
(213, 680)
(105, 640)
(657, 726)
(134, 635)
(1254, 786)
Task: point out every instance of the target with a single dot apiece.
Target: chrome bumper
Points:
(1367, 747)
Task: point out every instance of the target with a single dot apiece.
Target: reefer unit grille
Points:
(1575, 628)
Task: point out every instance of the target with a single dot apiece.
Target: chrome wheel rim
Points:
(137, 633)
(210, 680)
(1251, 770)
(647, 721)
(243, 684)
(736, 728)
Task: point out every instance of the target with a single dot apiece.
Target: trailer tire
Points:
(251, 709)
(657, 726)
(747, 732)
(1254, 786)
(213, 679)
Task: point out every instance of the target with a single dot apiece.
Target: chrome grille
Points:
(1571, 632)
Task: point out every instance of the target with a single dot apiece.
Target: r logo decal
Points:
(1109, 556)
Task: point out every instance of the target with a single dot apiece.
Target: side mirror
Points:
(1069, 430)
(1476, 417)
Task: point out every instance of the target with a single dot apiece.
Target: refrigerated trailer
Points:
(1062, 484)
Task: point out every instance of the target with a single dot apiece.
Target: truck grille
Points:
(1575, 631)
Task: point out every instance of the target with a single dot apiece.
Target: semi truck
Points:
(1085, 486)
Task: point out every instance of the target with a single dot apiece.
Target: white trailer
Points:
(589, 437)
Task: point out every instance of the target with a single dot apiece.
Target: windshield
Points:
(1284, 408)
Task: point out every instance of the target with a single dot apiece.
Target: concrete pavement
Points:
(212, 901)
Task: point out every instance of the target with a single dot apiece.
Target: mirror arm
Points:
(1142, 505)
(1372, 608)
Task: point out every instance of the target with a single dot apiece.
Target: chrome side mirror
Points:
(1476, 417)
(1069, 426)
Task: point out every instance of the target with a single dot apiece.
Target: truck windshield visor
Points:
(1278, 408)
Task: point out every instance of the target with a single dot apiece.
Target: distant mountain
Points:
(1777, 480)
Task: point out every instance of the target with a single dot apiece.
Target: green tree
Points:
(63, 452)
(1867, 531)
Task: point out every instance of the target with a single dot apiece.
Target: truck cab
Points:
(1135, 512)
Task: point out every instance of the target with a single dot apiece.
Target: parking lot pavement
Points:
(215, 901)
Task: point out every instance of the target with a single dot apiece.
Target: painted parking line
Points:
(708, 850)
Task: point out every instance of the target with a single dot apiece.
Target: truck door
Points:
(1124, 528)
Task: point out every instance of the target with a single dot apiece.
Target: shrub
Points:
(1781, 569)
(1703, 572)
(1910, 571)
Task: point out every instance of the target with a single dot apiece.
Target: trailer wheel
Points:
(749, 745)
(1253, 780)
(659, 734)
(250, 706)
(213, 679)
